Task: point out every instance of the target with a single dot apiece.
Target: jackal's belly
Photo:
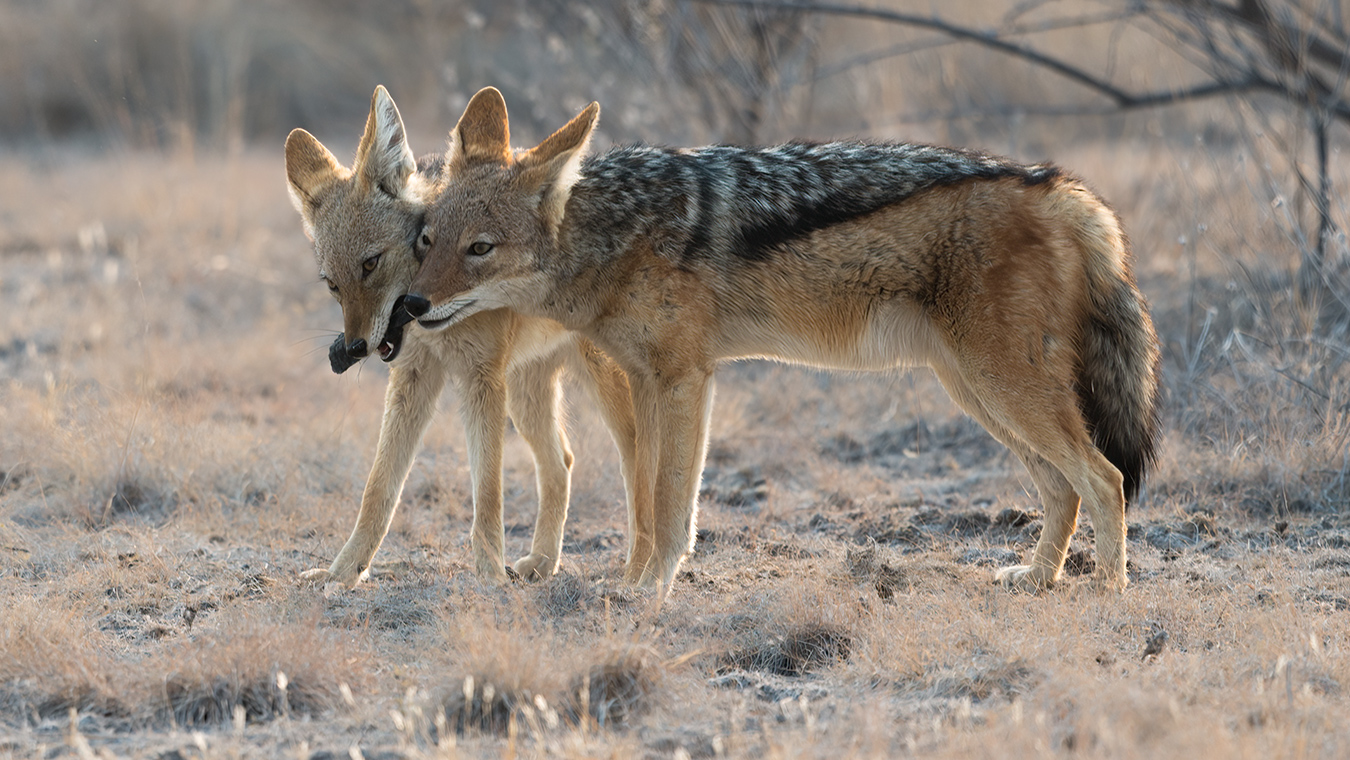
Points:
(868, 337)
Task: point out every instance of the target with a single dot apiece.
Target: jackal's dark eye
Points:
(369, 265)
(422, 243)
(481, 248)
(331, 287)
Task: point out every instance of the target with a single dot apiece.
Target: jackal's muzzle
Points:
(341, 357)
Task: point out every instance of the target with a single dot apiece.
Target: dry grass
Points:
(174, 451)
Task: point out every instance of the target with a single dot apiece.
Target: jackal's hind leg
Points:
(1061, 518)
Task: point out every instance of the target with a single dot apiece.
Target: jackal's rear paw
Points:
(535, 566)
(1026, 578)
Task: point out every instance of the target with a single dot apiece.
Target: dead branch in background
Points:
(741, 64)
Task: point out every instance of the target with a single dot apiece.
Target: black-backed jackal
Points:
(365, 223)
(1012, 282)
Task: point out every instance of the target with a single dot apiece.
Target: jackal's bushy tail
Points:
(1118, 375)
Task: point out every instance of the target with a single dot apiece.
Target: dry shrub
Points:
(617, 687)
(795, 652)
(483, 706)
(269, 670)
(977, 679)
(50, 663)
(507, 668)
(865, 566)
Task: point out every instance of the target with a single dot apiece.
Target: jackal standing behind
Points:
(365, 223)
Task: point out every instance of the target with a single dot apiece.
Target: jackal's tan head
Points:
(364, 222)
(496, 215)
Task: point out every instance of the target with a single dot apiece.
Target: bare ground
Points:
(174, 452)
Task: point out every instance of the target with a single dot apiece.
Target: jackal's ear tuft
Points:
(310, 169)
(554, 165)
(482, 134)
(383, 159)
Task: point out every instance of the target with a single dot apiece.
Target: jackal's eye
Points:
(481, 248)
(422, 243)
(369, 265)
(331, 287)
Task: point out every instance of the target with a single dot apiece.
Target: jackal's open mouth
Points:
(393, 336)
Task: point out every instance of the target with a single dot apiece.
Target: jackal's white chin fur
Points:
(450, 312)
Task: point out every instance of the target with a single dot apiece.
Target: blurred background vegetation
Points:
(1020, 77)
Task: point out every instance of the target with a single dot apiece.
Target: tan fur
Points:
(500, 363)
(993, 282)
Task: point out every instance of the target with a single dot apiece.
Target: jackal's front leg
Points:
(483, 408)
(533, 400)
(409, 404)
(680, 411)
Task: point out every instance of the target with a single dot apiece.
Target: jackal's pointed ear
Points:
(554, 165)
(383, 159)
(310, 169)
(482, 134)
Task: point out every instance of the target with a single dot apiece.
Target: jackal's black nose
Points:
(416, 304)
(357, 348)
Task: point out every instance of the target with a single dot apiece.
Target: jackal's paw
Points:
(317, 576)
(1028, 578)
(495, 574)
(535, 566)
(327, 581)
(1104, 581)
(651, 576)
(342, 572)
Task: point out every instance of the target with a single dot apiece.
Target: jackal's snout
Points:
(416, 304)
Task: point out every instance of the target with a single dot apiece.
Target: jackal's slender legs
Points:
(534, 401)
(410, 403)
(676, 412)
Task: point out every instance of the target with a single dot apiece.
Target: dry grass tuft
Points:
(865, 566)
(794, 653)
(50, 663)
(265, 670)
(978, 679)
(617, 687)
(483, 706)
(611, 688)
(269, 671)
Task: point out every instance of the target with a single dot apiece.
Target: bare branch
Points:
(1251, 79)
